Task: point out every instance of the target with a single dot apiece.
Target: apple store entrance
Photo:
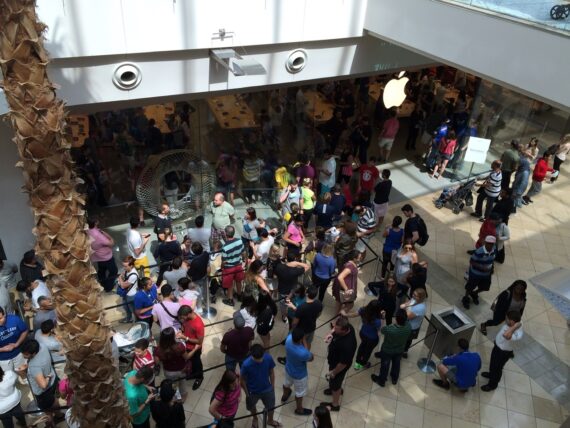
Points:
(242, 141)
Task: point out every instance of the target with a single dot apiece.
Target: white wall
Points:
(78, 28)
(17, 220)
(88, 81)
(528, 59)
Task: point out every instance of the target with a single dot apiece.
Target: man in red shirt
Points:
(368, 175)
(192, 332)
(538, 176)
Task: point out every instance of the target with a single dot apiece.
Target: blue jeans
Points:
(231, 363)
(129, 307)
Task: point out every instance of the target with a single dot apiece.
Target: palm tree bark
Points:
(38, 119)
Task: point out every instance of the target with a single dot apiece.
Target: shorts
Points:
(445, 156)
(267, 398)
(360, 244)
(218, 235)
(14, 363)
(380, 210)
(231, 274)
(46, 399)
(300, 386)
(336, 383)
(479, 283)
(309, 337)
(451, 374)
(386, 143)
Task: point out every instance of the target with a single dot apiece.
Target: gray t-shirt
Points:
(51, 343)
(42, 316)
(40, 364)
(201, 235)
(173, 276)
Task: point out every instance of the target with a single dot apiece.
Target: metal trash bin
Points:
(452, 324)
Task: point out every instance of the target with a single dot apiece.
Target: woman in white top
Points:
(560, 156)
(405, 258)
(128, 280)
(10, 399)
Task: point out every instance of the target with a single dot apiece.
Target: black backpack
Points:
(422, 231)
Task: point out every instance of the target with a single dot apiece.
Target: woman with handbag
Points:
(511, 299)
(225, 400)
(145, 298)
(174, 358)
(345, 284)
(294, 236)
(127, 284)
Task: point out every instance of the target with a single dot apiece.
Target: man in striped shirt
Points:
(233, 253)
(490, 192)
(366, 226)
(480, 271)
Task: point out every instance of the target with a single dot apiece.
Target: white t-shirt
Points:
(262, 250)
(9, 394)
(201, 235)
(330, 166)
(135, 240)
(504, 344)
(132, 276)
(40, 290)
(250, 320)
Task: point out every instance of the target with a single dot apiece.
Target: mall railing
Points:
(554, 15)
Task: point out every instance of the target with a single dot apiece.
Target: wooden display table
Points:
(232, 113)
(318, 109)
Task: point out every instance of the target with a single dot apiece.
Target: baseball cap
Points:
(239, 321)
(491, 239)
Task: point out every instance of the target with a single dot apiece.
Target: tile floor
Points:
(540, 241)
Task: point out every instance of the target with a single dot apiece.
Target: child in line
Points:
(143, 358)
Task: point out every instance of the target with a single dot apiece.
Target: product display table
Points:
(232, 113)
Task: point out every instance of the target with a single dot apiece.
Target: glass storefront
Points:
(182, 152)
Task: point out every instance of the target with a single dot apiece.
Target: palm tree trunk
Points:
(38, 119)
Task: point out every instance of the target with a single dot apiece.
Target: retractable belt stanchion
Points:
(426, 365)
(208, 312)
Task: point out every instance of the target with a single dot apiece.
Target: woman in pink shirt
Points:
(226, 397)
(294, 235)
(447, 147)
(387, 135)
(102, 246)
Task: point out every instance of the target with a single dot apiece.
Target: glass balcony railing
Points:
(552, 14)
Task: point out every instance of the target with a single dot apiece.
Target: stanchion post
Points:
(426, 365)
(264, 418)
(208, 312)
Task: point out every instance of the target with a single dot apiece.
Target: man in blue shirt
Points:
(13, 332)
(296, 374)
(460, 369)
(258, 381)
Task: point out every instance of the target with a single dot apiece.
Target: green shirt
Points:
(308, 203)
(510, 159)
(136, 395)
(395, 338)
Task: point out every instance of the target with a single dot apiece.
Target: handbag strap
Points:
(166, 310)
(133, 284)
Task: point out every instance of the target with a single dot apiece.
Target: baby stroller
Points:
(457, 196)
(125, 342)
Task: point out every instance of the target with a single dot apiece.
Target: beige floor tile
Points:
(492, 416)
(372, 422)
(465, 409)
(436, 420)
(518, 420)
(438, 401)
(412, 393)
(547, 409)
(409, 415)
(516, 381)
(541, 423)
(519, 402)
(382, 408)
(497, 398)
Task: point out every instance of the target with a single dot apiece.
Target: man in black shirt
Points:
(382, 195)
(30, 268)
(412, 227)
(198, 270)
(306, 315)
(287, 275)
(342, 347)
(162, 221)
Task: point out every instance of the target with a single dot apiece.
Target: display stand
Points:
(477, 149)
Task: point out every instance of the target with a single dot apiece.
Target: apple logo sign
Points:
(394, 93)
